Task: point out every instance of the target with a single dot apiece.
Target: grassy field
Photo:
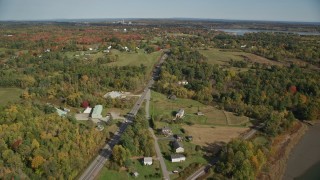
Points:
(205, 135)
(135, 59)
(162, 107)
(9, 95)
(144, 171)
(222, 57)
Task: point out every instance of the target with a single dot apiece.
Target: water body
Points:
(304, 160)
(241, 32)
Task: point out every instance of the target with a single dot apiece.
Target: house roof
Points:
(177, 156)
(97, 110)
(61, 112)
(87, 110)
(177, 145)
(147, 159)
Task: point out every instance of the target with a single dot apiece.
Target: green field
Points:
(223, 57)
(162, 107)
(135, 59)
(144, 171)
(9, 95)
(216, 56)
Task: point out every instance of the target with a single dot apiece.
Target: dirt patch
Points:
(204, 135)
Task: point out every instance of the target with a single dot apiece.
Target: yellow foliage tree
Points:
(37, 161)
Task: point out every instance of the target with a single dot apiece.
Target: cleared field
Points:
(204, 135)
(222, 57)
(9, 95)
(135, 59)
(162, 107)
(236, 120)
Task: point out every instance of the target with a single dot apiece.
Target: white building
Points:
(87, 110)
(147, 160)
(180, 113)
(96, 113)
(177, 147)
(177, 158)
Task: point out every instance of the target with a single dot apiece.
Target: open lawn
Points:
(145, 172)
(191, 155)
(222, 57)
(164, 108)
(9, 95)
(204, 135)
(135, 59)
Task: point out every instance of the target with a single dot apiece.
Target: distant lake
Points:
(243, 31)
(304, 160)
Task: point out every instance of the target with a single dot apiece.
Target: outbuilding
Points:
(147, 160)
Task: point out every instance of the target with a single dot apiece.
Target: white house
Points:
(180, 113)
(177, 147)
(87, 110)
(177, 158)
(147, 160)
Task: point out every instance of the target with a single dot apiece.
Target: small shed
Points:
(147, 160)
(135, 174)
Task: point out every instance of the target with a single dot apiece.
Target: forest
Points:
(68, 64)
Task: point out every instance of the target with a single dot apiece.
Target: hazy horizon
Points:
(251, 10)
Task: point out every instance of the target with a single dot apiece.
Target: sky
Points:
(271, 10)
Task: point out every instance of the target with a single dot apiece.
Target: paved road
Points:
(203, 170)
(156, 145)
(97, 164)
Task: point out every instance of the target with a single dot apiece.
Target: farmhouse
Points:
(180, 113)
(177, 158)
(96, 113)
(147, 160)
(177, 147)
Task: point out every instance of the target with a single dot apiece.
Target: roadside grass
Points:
(145, 172)
(163, 108)
(9, 95)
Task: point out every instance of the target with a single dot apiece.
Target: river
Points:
(243, 31)
(304, 160)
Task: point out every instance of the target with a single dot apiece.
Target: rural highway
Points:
(204, 169)
(97, 164)
(165, 173)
